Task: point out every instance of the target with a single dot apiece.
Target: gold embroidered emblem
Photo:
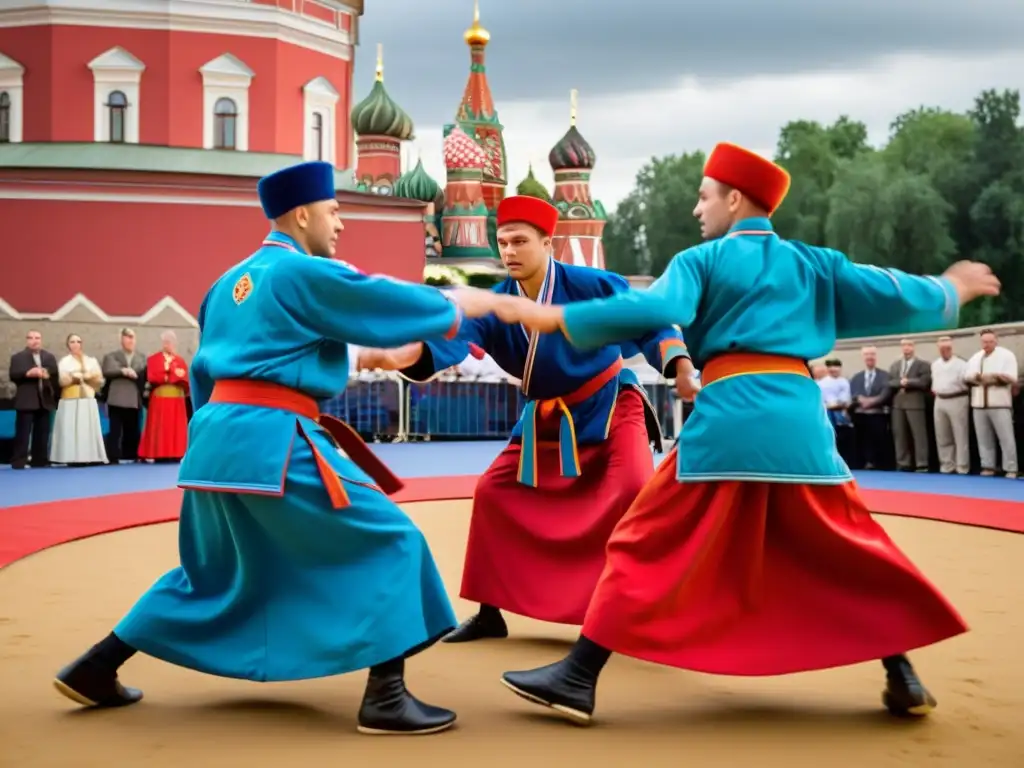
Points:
(242, 288)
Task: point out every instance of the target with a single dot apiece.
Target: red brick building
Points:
(132, 134)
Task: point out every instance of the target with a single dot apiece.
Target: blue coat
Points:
(551, 369)
(274, 584)
(752, 291)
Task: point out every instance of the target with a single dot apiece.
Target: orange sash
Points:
(744, 363)
(265, 394)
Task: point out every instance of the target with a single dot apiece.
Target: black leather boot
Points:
(487, 624)
(905, 694)
(388, 709)
(92, 681)
(92, 684)
(565, 687)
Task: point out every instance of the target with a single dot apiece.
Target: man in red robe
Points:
(165, 434)
(543, 511)
(750, 552)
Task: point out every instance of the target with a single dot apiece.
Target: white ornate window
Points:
(226, 82)
(11, 108)
(321, 107)
(117, 77)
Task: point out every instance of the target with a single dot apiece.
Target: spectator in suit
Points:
(870, 392)
(910, 381)
(992, 372)
(952, 410)
(125, 372)
(34, 374)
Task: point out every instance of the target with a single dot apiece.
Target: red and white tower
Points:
(478, 117)
(581, 219)
(464, 219)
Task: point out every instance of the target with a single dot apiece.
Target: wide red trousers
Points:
(539, 551)
(749, 578)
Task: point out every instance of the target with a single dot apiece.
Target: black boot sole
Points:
(70, 693)
(457, 636)
(575, 716)
(919, 710)
(419, 732)
(65, 690)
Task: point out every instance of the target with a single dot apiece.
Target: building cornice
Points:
(218, 17)
(96, 156)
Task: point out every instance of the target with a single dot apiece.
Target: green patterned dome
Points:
(533, 188)
(379, 115)
(572, 152)
(417, 185)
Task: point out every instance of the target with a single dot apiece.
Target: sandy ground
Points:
(56, 603)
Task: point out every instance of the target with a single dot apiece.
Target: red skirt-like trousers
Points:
(752, 578)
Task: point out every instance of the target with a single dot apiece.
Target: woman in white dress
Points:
(77, 434)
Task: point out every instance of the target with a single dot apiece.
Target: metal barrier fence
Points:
(383, 407)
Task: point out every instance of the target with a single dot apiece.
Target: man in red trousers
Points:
(581, 451)
(751, 552)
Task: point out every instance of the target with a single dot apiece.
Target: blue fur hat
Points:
(295, 185)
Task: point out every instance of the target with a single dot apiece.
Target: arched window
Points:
(318, 136)
(5, 117)
(225, 124)
(117, 111)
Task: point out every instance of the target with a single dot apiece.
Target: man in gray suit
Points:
(125, 372)
(910, 380)
(870, 392)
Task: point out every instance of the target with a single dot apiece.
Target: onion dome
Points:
(378, 114)
(572, 152)
(417, 185)
(462, 153)
(530, 187)
(476, 34)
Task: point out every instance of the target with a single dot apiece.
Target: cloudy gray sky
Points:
(659, 76)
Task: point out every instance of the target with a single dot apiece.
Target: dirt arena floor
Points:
(56, 603)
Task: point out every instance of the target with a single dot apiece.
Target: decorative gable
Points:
(117, 59)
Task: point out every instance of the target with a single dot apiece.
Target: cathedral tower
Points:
(581, 219)
(478, 118)
(381, 126)
(464, 219)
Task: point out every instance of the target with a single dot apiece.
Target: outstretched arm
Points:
(871, 301)
(343, 305)
(438, 356)
(634, 314)
(661, 347)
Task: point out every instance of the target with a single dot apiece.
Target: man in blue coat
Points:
(294, 563)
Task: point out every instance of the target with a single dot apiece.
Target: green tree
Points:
(885, 214)
(656, 220)
(945, 186)
(812, 153)
(940, 144)
(622, 251)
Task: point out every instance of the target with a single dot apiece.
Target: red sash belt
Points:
(265, 394)
(568, 451)
(745, 363)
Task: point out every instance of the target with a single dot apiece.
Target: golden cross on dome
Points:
(476, 34)
(380, 62)
(573, 94)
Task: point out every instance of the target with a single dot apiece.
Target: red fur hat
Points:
(530, 210)
(761, 180)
